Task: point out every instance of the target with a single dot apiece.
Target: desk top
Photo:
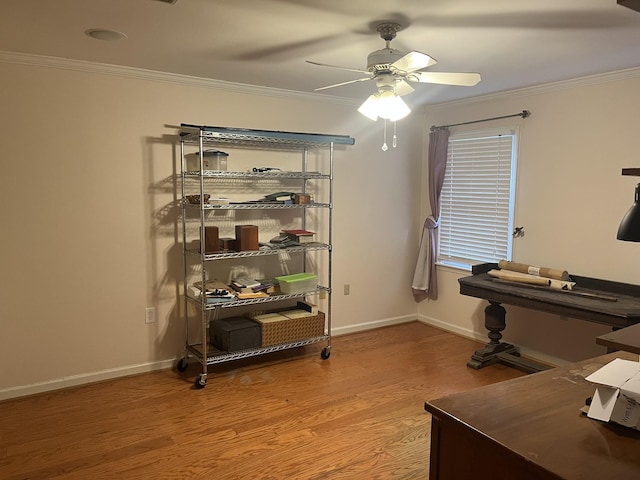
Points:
(538, 417)
(626, 339)
(621, 313)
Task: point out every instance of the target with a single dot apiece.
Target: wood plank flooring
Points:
(289, 415)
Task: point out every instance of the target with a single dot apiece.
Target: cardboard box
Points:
(235, 333)
(617, 395)
(289, 326)
(302, 198)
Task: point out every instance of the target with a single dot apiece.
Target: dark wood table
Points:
(531, 428)
(598, 308)
(627, 339)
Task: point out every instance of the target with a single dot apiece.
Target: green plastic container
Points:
(298, 283)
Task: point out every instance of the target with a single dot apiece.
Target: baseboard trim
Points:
(93, 377)
(109, 374)
(361, 327)
(482, 337)
(83, 379)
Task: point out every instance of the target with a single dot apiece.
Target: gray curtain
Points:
(425, 282)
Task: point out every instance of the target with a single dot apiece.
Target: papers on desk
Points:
(617, 395)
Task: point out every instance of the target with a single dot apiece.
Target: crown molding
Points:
(597, 79)
(173, 78)
(187, 80)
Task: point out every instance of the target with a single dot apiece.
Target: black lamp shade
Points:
(629, 229)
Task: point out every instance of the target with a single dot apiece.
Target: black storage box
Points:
(235, 333)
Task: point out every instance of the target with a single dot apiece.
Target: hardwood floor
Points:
(290, 415)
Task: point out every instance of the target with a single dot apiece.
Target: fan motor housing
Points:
(381, 60)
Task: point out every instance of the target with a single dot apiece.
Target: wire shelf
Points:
(260, 138)
(248, 185)
(218, 356)
(258, 206)
(258, 175)
(253, 301)
(265, 251)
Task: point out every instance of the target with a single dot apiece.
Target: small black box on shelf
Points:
(227, 244)
(235, 333)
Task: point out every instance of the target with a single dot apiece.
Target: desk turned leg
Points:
(494, 322)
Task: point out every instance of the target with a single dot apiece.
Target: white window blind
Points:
(476, 204)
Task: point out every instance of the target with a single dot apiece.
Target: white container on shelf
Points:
(211, 160)
(298, 283)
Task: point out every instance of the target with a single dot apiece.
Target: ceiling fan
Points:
(393, 69)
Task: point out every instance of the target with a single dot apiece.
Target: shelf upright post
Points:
(184, 245)
(330, 251)
(203, 293)
(305, 166)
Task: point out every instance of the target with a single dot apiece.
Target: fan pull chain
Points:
(395, 137)
(384, 144)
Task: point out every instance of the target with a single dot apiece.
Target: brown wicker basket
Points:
(195, 199)
(277, 328)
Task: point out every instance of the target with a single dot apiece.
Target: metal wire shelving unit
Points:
(206, 136)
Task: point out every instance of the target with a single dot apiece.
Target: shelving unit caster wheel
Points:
(182, 365)
(326, 353)
(201, 381)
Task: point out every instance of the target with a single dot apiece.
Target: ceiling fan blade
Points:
(335, 66)
(461, 79)
(413, 61)
(403, 88)
(340, 84)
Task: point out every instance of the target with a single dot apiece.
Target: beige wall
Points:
(91, 231)
(90, 217)
(570, 199)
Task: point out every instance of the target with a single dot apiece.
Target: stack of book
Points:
(267, 285)
(247, 288)
(300, 236)
(215, 292)
(278, 197)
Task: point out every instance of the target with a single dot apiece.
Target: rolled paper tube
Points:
(519, 277)
(555, 273)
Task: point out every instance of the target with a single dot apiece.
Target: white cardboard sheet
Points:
(617, 393)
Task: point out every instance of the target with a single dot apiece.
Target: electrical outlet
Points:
(150, 315)
(347, 289)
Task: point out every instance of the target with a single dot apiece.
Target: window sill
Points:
(454, 267)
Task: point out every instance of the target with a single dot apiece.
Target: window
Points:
(477, 199)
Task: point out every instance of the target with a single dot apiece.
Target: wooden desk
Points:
(626, 339)
(623, 312)
(531, 428)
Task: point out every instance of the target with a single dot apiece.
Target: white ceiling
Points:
(512, 44)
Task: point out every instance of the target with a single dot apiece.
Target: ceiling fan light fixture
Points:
(370, 108)
(391, 106)
(384, 104)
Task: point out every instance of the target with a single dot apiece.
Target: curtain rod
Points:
(523, 114)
